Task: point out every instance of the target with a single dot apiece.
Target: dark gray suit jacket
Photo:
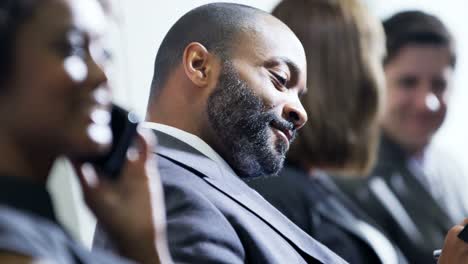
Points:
(214, 217)
(399, 203)
(317, 206)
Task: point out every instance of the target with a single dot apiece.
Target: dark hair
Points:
(416, 27)
(213, 25)
(13, 13)
(343, 45)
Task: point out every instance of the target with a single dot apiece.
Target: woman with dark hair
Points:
(54, 102)
(344, 46)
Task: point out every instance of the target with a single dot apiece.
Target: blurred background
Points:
(138, 28)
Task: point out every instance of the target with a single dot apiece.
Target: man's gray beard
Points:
(241, 123)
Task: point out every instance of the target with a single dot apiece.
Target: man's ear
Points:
(198, 63)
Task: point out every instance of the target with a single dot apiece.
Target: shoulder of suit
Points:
(197, 229)
(182, 185)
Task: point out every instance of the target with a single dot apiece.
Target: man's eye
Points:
(280, 79)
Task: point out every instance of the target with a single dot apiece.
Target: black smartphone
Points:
(124, 129)
(463, 235)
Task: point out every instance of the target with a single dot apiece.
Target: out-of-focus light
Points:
(101, 134)
(101, 117)
(102, 96)
(432, 102)
(76, 68)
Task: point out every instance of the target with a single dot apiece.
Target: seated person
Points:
(344, 46)
(225, 105)
(415, 193)
(52, 94)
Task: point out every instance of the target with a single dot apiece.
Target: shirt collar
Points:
(192, 140)
(27, 196)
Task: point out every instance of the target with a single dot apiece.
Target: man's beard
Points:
(241, 123)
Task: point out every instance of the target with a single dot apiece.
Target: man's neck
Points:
(179, 104)
(409, 150)
(414, 152)
(178, 117)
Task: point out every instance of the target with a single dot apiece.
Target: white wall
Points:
(141, 26)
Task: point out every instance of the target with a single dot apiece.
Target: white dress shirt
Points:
(192, 140)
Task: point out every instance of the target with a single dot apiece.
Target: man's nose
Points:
(295, 113)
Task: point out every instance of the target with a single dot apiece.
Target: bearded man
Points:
(224, 105)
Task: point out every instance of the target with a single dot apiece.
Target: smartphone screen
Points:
(124, 128)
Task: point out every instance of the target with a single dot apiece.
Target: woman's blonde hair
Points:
(344, 46)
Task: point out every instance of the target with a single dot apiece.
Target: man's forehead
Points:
(268, 38)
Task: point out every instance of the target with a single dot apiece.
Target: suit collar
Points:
(191, 140)
(374, 239)
(232, 186)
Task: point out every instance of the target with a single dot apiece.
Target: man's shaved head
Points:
(231, 75)
(215, 26)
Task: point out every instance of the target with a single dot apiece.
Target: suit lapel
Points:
(418, 192)
(345, 220)
(234, 188)
(348, 222)
(352, 209)
(337, 208)
(394, 169)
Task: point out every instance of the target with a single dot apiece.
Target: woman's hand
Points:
(130, 208)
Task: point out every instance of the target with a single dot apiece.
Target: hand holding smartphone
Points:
(134, 190)
(124, 129)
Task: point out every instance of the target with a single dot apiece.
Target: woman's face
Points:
(56, 99)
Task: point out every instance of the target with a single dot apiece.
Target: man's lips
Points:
(286, 133)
